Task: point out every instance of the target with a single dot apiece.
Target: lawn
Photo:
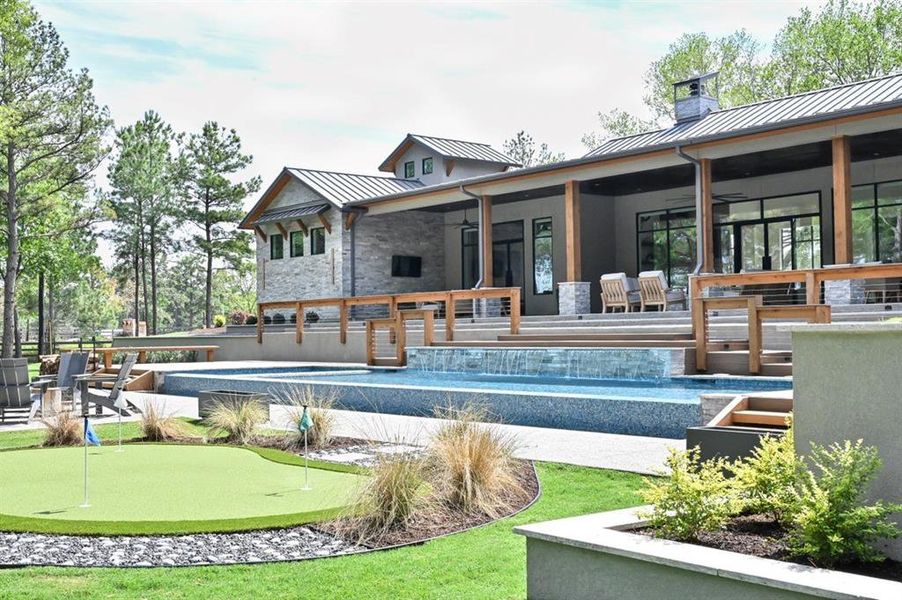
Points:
(489, 562)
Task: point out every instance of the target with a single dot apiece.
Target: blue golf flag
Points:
(305, 422)
(90, 434)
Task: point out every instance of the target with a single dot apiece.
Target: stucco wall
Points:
(599, 242)
(847, 385)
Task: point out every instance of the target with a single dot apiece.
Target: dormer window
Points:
(409, 169)
(427, 166)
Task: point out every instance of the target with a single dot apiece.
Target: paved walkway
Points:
(601, 450)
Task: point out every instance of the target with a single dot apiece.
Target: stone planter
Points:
(207, 400)
(595, 556)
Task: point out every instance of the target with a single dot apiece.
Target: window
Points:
(427, 166)
(318, 240)
(469, 239)
(276, 246)
(877, 222)
(408, 169)
(542, 259)
(667, 243)
(296, 247)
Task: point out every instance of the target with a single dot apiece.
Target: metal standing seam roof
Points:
(767, 114)
(293, 212)
(342, 188)
(465, 150)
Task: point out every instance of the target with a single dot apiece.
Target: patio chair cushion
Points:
(629, 283)
(658, 274)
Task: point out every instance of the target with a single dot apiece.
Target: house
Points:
(798, 182)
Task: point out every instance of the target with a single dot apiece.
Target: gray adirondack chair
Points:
(103, 400)
(71, 365)
(16, 393)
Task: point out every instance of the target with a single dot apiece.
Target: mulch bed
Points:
(435, 522)
(758, 535)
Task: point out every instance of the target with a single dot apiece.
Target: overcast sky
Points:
(336, 86)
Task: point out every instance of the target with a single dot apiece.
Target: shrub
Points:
(219, 321)
(239, 317)
(65, 429)
(237, 419)
(767, 480)
(278, 319)
(318, 406)
(389, 498)
(267, 320)
(833, 525)
(471, 465)
(311, 316)
(695, 497)
(157, 426)
(250, 320)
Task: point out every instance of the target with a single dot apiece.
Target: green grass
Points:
(164, 488)
(489, 562)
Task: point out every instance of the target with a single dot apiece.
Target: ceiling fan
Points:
(465, 224)
(727, 198)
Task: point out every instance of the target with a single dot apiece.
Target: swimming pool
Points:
(661, 407)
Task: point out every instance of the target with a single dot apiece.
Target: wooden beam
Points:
(707, 216)
(842, 201)
(571, 231)
(349, 220)
(485, 222)
(325, 222)
(260, 233)
(282, 230)
(449, 166)
(298, 323)
(301, 226)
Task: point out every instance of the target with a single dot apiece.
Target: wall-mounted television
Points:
(406, 266)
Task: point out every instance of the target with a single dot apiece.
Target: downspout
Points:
(352, 253)
(699, 234)
(478, 199)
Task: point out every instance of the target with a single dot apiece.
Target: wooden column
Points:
(707, 217)
(571, 231)
(842, 201)
(485, 223)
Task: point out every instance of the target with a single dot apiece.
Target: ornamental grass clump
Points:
(833, 524)
(471, 465)
(157, 426)
(65, 429)
(319, 407)
(767, 479)
(696, 497)
(392, 494)
(237, 419)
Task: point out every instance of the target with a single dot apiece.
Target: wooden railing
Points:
(810, 278)
(447, 299)
(398, 335)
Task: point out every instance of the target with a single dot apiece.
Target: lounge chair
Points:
(16, 392)
(102, 400)
(71, 365)
(618, 291)
(654, 291)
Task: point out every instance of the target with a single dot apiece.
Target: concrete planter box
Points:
(595, 556)
(207, 400)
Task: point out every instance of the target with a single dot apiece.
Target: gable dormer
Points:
(433, 160)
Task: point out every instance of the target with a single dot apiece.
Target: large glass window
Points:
(469, 257)
(542, 257)
(877, 222)
(296, 245)
(276, 246)
(318, 240)
(667, 243)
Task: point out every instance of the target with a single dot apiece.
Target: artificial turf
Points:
(163, 489)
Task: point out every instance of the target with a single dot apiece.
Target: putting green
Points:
(163, 488)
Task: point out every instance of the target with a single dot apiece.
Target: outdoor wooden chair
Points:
(618, 292)
(17, 394)
(71, 365)
(654, 291)
(103, 400)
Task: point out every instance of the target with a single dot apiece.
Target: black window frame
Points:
(463, 254)
(291, 245)
(413, 169)
(273, 246)
(874, 209)
(423, 165)
(314, 231)
(550, 236)
(667, 229)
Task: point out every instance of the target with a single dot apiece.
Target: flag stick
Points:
(306, 470)
(85, 504)
(119, 449)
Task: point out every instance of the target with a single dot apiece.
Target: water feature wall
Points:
(590, 363)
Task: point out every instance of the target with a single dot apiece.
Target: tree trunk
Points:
(12, 255)
(153, 278)
(41, 329)
(51, 315)
(137, 295)
(18, 334)
(208, 291)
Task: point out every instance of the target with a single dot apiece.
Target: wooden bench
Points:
(143, 350)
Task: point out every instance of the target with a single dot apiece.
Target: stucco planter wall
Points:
(595, 557)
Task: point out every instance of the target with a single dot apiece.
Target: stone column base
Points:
(574, 298)
(845, 291)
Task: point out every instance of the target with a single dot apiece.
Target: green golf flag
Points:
(306, 422)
